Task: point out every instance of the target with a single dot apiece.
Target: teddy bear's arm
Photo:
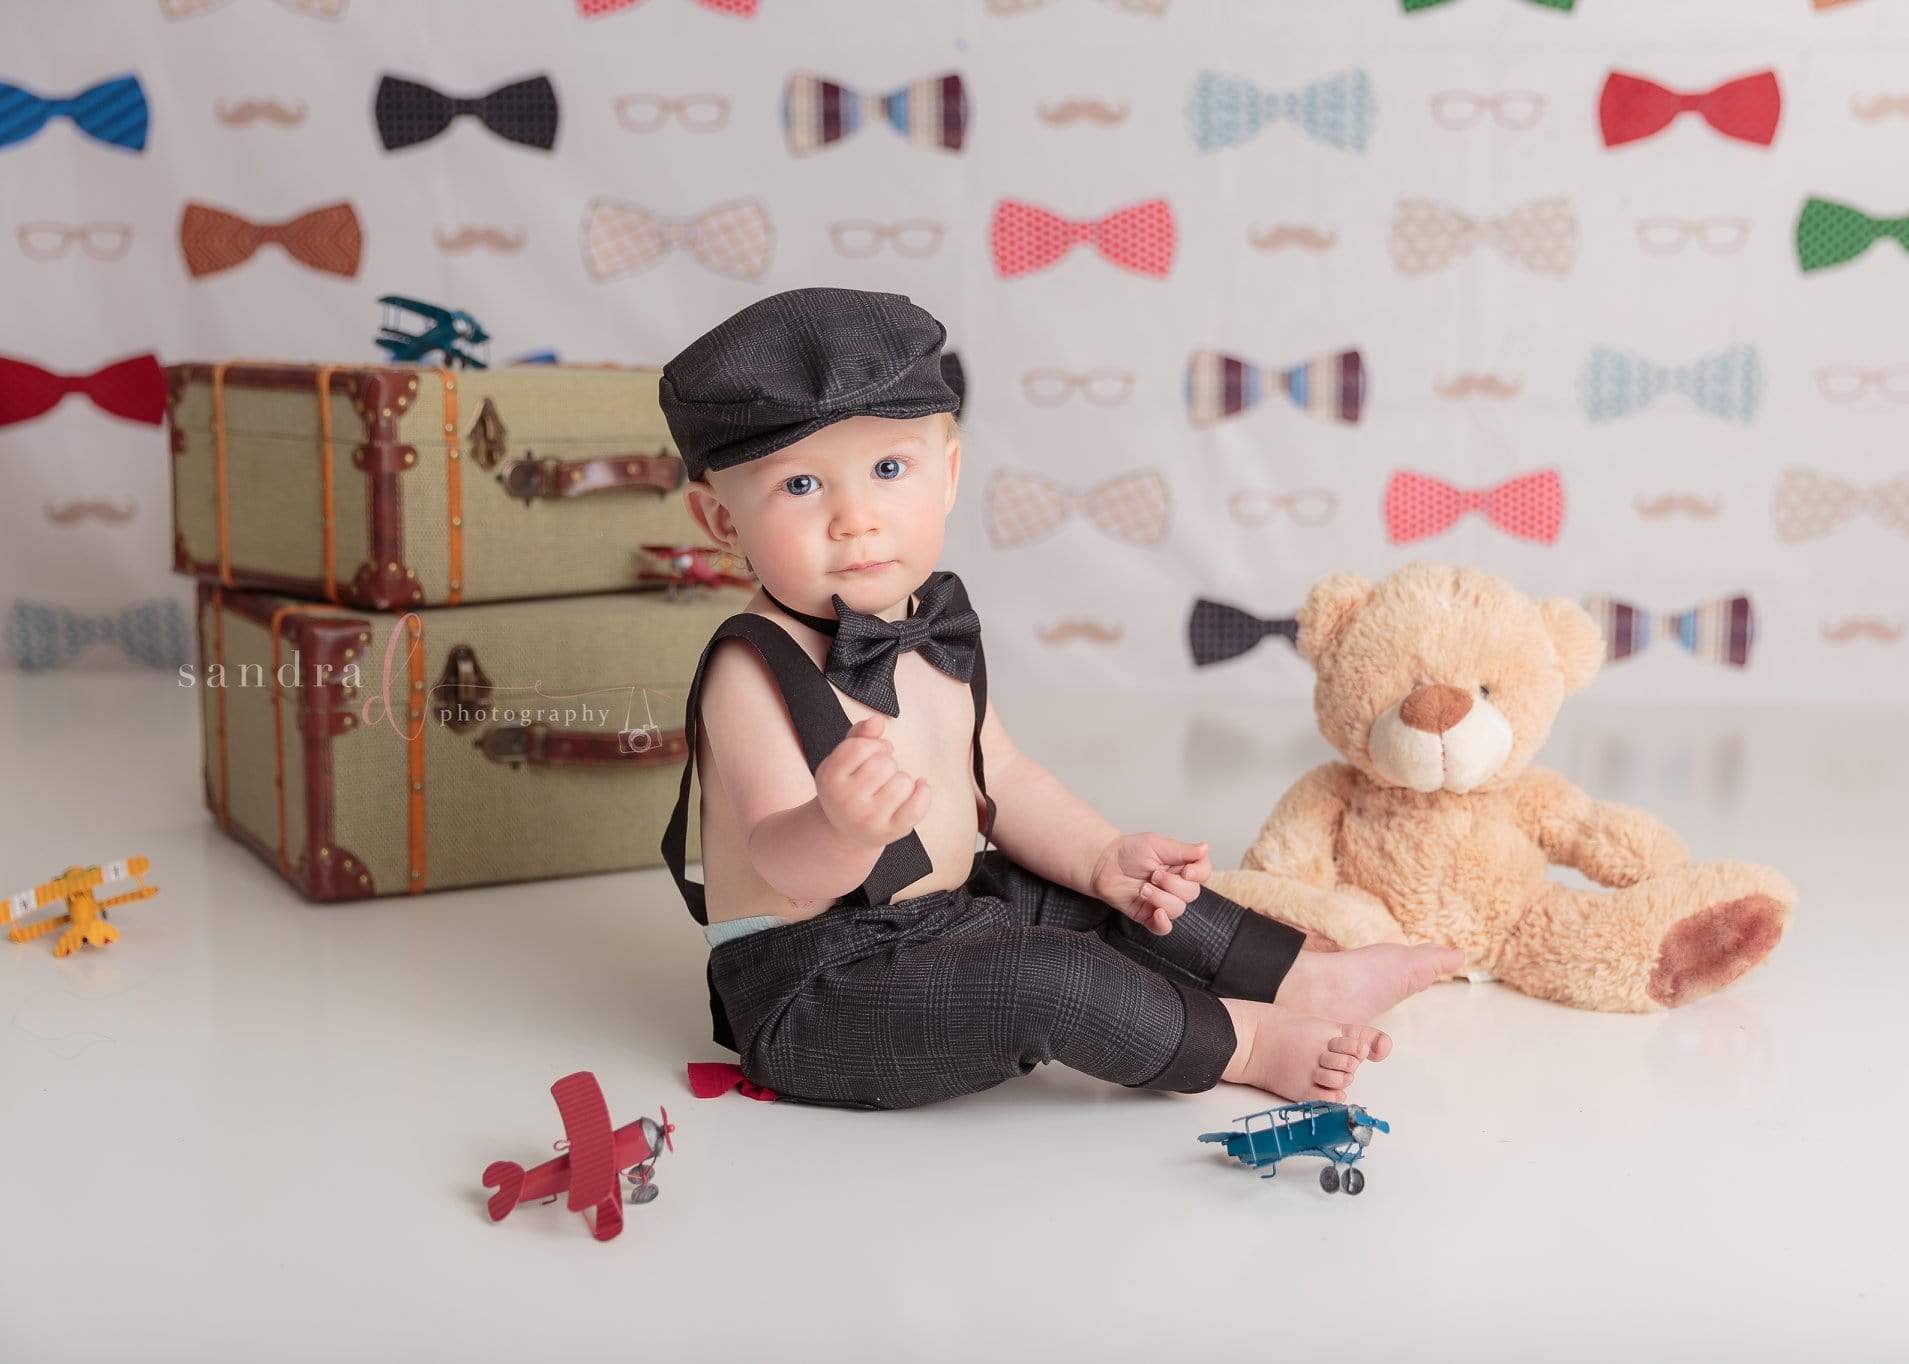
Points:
(1297, 838)
(1614, 845)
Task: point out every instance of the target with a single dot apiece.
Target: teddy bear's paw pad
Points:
(1709, 949)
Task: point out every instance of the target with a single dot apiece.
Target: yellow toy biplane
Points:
(85, 917)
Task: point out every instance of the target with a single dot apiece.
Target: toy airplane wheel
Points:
(644, 1193)
(1355, 1181)
(1329, 1179)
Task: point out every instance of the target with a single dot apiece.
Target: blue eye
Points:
(796, 479)
(900, 468)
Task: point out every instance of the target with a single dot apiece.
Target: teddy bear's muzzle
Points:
(1440, 738)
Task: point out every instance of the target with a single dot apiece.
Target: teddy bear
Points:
(1439, 685)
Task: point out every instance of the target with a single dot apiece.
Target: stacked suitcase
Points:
(447, 619)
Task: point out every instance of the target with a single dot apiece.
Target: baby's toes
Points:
(1319, 1092)
(1362, 1042)
(1339, 1061)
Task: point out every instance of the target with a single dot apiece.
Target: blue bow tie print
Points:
(114, 112)
(1224, 111)
(1727, 383)
(39, 636)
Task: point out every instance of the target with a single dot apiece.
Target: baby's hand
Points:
(1151, 878)
(862, 792)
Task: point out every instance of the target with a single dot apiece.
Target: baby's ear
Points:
(1577, 639)
(1329, 609)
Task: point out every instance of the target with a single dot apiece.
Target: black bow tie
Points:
(1216, 631)
(862, 654)
(524, 111)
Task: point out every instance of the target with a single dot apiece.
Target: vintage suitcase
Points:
(393, 487)
(365, 753)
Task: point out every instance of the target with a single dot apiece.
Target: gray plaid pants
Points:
(951, 992)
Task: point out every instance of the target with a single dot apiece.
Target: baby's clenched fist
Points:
(863, 793)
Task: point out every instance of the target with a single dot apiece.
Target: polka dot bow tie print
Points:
(1630, 108)
(1810, 504)
(524, 112)
(1022, 507)
(1217, 632)
(327, 239)
(1720, 631)
(944, 629)
(1530, 507)
(931, 112)
(40, 636)
(734, 238)
(1727, 383)
(1829, 233)
(1541, 235)
(114, 112)
(1224, 111)
(1026, 237)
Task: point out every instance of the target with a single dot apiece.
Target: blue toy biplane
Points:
(1338, 1132)
(451, 332)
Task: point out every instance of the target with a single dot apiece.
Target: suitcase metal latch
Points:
(463, 690)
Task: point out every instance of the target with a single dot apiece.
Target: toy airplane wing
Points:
(74, 881)
(586, 1124)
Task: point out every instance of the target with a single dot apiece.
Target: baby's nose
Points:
(1436, 708)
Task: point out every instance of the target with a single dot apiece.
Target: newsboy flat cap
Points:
(790, 364)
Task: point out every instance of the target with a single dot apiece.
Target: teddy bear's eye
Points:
(1483, 690)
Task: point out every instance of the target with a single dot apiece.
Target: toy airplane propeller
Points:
(85, 917)
(588, 1168)
(460, 337)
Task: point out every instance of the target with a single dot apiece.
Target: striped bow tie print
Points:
(133, 388)
(408, 112)
(1720, 631)
(1022, 507)
(114, 112)
(1219, 385)
(1541, 236)
(1727, 383)
(1224, 111)
(1414, 6)
(40, 636)
(1025, 237)
(1809, 505)
(1630, 108)
(311, 9)
(1530, 507)
(1216, 632)
(930, 112)
(734, 238)
(327, 239)
(596, 9)
(1829, 233)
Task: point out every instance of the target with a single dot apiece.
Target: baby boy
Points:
(862, 953)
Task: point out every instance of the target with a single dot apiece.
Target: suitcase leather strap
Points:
(531, 477)
(542, 746)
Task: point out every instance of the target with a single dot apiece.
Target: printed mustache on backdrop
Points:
(1676, 504)
(735, 239)
(327, 239)
(133, 388)
(1291, 234)
(1720, 631)
(114, 112)
(1747, 109)
(1219, 386)
(1225, 111)
(1726, 383)
(1870, 108)
(1093, 631)
(1024, 237)
(94, 509)
(817, 113)
(1852, 628)
(51, 241)
(1216, 631)
(1081, 109)
(408, 112)
(1542, 235)
(471, 236)
(1464, 385)
(1809, 504)
(243, 113)
(1830, 233)
(1022, 506)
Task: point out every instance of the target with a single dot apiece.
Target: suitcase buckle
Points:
(463, 690)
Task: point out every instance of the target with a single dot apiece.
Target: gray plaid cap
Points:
(790, 364)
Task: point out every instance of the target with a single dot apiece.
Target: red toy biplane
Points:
(592, 1158)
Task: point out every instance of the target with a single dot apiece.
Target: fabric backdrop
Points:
(1359, 264)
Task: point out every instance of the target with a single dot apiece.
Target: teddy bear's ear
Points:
(1329, 609)
(1580, 644)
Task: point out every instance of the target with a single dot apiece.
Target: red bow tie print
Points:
(596, 9)
(1026, 237)
(1631, 107)
(134, 388)
(1531, 507)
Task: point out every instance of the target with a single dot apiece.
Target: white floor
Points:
(254, 1128)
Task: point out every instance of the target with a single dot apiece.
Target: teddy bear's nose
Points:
(1435, 709)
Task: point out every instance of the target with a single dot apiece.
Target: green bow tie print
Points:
(1829, 233)
(1413, 6)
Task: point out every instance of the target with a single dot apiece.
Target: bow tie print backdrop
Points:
(1606, 296)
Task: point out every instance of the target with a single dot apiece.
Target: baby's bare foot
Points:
(1296, 1056)
(1364, 983)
